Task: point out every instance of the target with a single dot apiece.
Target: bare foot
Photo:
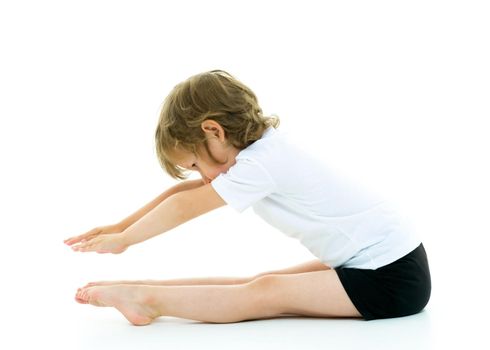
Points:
(112, 283)
(131, 301)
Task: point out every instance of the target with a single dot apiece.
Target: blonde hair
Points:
(215, 95)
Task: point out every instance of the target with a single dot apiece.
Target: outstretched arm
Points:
(182, 186)
(124, 224)
(173, 211)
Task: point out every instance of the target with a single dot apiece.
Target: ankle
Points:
(149, 297)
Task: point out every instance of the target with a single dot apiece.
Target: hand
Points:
(101, 230)
(104, 239)
(108, 243)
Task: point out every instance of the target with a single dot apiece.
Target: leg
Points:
(178, 282)
(309, 266)
(313, 265)
(316, 294)
(173, 282)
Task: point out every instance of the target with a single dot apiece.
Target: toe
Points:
(84, 295)
(79, 298)
(80, 301)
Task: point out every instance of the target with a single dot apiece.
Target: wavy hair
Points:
(215, 95)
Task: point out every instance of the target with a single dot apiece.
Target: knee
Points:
(264, 288)
(263, 280)
(263, 292)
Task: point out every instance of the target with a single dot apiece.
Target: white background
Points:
(395, 94)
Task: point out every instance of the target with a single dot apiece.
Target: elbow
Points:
(193, 203)
(174, 209)
(182, 207)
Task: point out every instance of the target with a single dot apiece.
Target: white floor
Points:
(285, 333)
(82, 327)
(39, 311)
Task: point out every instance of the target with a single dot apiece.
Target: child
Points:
(369, 264)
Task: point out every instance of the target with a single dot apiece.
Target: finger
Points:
(86, 235)
(81, 246)
(76, 247)
(79, 238)
(83, 249)
(75, 239)
(90, 246)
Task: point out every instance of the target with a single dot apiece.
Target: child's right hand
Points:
(101, 230)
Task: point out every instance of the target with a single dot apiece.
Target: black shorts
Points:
(398, 289)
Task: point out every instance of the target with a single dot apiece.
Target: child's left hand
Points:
(109, 243)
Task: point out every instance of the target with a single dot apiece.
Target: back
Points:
(339, 222)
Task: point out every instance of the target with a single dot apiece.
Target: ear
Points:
(212, 129)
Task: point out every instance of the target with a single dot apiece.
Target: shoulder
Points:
(272, 143)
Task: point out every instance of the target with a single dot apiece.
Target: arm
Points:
(172, 212)
(183, 186)
(124, 224)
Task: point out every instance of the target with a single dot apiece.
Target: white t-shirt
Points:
(340, 223)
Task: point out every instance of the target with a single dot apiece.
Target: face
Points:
(202, 162)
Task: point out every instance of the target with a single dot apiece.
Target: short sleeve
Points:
(245, 183)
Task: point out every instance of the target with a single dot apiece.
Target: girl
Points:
(370, 265)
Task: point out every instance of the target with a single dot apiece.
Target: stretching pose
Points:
(369, 264)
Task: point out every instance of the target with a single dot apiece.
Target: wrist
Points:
(121, 226)
(125, 239)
